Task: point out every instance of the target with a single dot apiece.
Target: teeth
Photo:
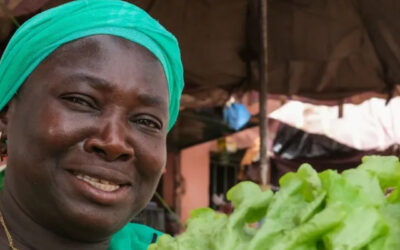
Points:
(105, 182)
(98, 183)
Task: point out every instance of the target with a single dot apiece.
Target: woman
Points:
(88, 92)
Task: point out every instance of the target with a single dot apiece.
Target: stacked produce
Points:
(311, 211)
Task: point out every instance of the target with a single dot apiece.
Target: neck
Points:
(27, 234)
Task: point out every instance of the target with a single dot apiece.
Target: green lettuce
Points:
(311, 211)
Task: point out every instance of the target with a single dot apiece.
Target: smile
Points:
(101, 184)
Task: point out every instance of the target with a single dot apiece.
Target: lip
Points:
(110, 174)
(96, 195)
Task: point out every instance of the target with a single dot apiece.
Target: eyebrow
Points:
(152, 100)
(94, 82)
(100, 83)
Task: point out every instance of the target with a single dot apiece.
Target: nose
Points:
(110, 143)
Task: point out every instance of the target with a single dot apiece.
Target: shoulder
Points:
(134, 236)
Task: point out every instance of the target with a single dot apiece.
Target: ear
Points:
(3, 131)
(4, 118)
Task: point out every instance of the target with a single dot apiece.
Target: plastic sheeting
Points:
(372, 125)
(291, 143)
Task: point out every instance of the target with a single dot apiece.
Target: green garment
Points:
(134, 237)
(131, 237)
(44, 33)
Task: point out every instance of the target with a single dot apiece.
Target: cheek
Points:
(61, 127)
(50, 130)
(151, 158)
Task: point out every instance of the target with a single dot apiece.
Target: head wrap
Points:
(44, 33)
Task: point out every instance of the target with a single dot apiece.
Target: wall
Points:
(195, 168)
(168, 181)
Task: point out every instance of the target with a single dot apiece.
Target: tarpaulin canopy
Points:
(322, 49)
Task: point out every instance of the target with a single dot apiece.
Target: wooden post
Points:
(263, 93)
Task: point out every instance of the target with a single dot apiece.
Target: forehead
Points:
(100, 46)
(113, 59)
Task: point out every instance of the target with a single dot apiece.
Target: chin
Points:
(95, 230)
(95, 226)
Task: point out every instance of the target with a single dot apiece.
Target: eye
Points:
(80, 102)
(150, 123)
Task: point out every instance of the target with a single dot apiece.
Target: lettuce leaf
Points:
(311, 211)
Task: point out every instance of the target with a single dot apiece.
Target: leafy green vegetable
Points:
(311, 211)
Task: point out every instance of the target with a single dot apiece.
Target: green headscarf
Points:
(41, 35)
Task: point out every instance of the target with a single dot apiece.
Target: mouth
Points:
(103, 187)
(101, 184)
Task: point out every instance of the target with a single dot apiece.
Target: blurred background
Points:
(269, 85)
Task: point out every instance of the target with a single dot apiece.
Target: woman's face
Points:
(87, 137)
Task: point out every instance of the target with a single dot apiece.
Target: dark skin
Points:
(96, 107)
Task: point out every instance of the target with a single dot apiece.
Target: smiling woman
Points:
(98, 84)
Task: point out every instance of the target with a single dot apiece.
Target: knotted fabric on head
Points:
(44, 33)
